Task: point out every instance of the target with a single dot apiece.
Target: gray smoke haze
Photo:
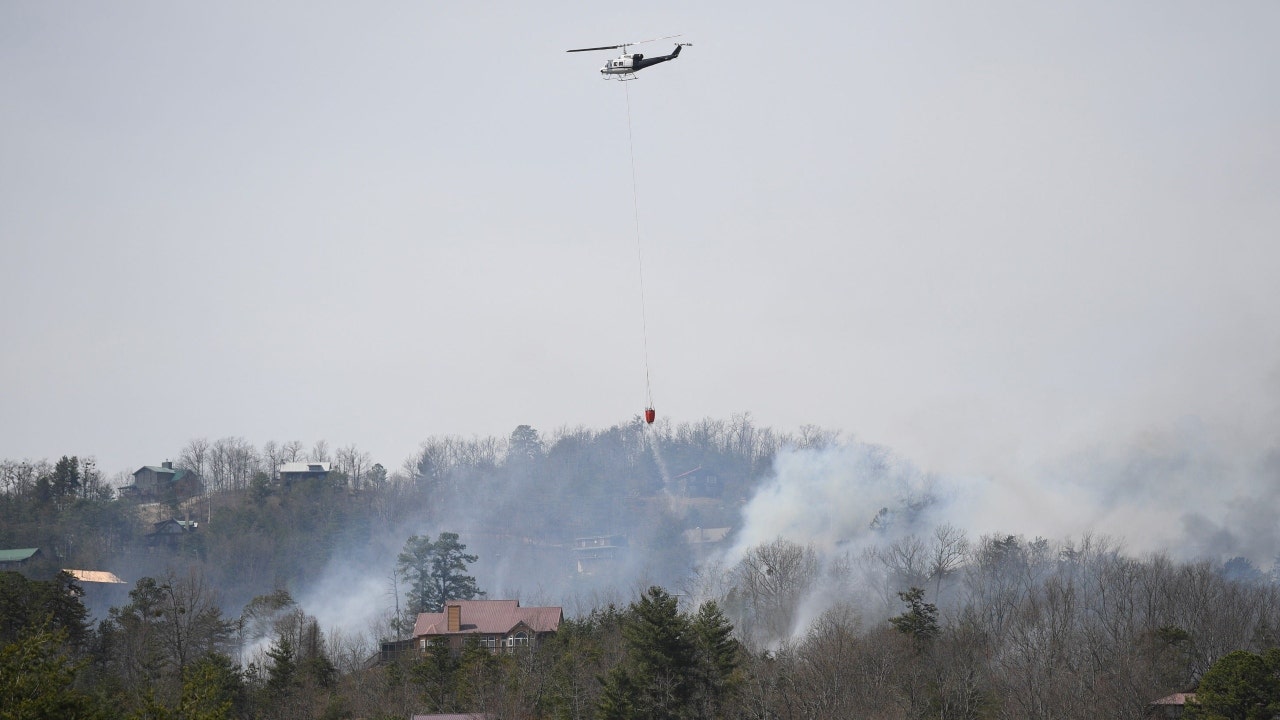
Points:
(1189, 490)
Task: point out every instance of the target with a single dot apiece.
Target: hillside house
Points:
(100, 590)
(150, 481)
(597, 553)
(171, 531)
(19, 558)
(500, 625)
(698, 483)
(293, 471)
(1170, 707)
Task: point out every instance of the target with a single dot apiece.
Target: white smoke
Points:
(1186, 490)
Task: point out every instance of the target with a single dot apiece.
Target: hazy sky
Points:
(979, 233)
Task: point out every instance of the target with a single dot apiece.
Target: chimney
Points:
(455, 617)
(167, 464)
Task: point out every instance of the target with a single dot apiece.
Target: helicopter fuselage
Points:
(631, 63)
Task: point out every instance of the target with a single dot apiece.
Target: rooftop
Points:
(95, 576)
(493, 617)
(17, 555)
(305, 467)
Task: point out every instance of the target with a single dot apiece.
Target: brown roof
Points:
(492, 617)
(1175, 699)
(95, 576)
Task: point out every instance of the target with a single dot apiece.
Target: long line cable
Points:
(635, 204)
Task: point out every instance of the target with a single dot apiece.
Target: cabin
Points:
(595, 554)
(152, 481)
(1170, 707)
(291, 472)
(94, 577)
(698, 483)
(100, 590)
(499, 625)
(19, 558)
(170, 532)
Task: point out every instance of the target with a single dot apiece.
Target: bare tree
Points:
(232, 462)
(195, 456)
(271, 456)
(354, 463)
(292, 451)
(947, 553)
(907, 562)
(772, 578)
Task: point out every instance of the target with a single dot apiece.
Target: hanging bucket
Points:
(650, 415)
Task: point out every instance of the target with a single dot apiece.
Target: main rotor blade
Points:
(664, 37)
(622, 45)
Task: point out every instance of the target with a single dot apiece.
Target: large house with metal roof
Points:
(291, 472)
(496, 624)
(154, 481)
(18, 557)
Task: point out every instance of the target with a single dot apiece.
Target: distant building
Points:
(170, 532)
(707, 536)
(100, 590)
(152, 481)
(594, 554)
(1170, 707)
(101, 577)
(497, 624)
(293, 471)
(698, 483)
(704, 541)
(19, 558)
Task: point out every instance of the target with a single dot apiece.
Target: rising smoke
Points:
(1174, 490)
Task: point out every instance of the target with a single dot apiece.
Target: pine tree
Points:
(717, 660)
(282, 675)
(436, 572)
(920, 621)
(657, 679)
(36, 675)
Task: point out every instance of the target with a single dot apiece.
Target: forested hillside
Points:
(275, 597)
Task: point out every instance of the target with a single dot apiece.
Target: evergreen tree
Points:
(434, 676)
(717, 659)
(211, 689)
(36, 675)
(920, 621)
(28, 605)
(436, 572)
(282, 675)
(657, 679)
(1240, 686)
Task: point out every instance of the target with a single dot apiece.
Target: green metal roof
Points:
(155, 468)
(17, 555)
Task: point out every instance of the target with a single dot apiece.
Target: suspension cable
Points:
(635, 204)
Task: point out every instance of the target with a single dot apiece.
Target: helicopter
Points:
(625, 66)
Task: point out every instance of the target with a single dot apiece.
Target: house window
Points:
(520, 639)
(423, 645)
(488, 641)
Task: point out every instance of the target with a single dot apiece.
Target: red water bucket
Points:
(650, 415)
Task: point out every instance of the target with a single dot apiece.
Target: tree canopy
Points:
(436, 572)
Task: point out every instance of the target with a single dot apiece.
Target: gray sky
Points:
(983, 234)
